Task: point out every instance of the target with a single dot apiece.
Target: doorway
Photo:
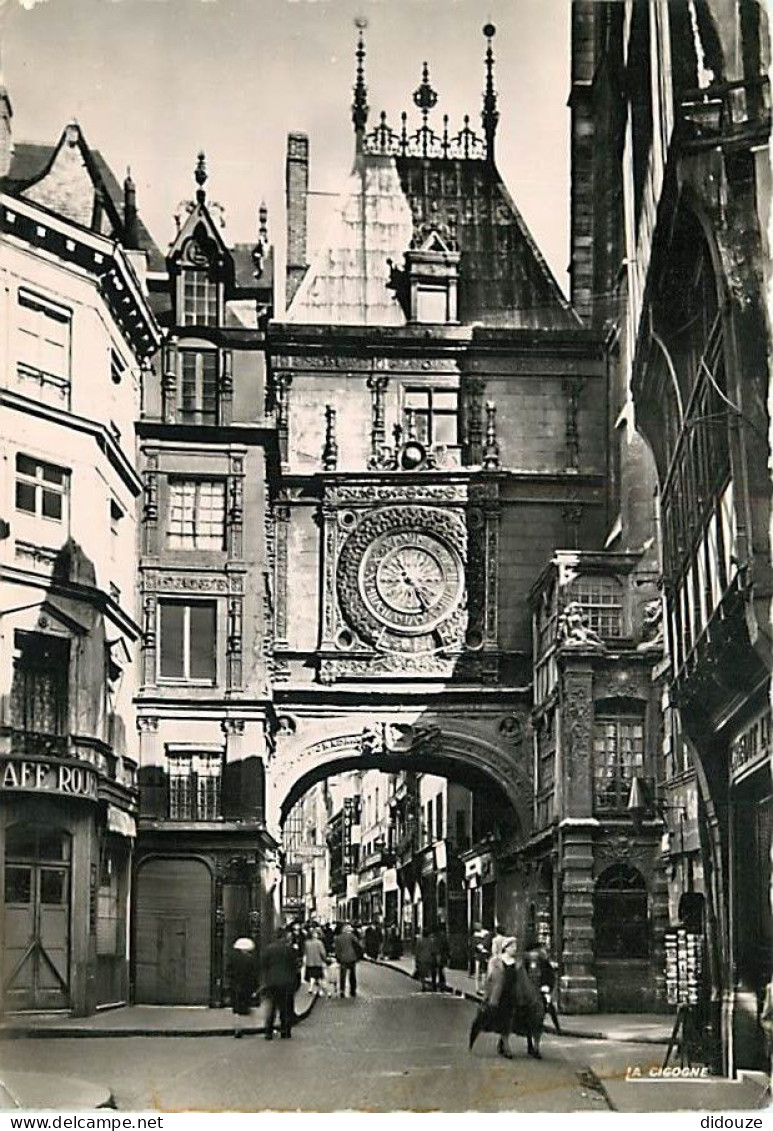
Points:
(36, 959)
(174, 929)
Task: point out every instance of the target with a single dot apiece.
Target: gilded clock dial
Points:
(410, 581)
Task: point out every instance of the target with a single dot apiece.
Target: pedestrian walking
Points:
(315, 960)
(244, 977)
(496, 1012)
(279, 971)
(442, 956)
(482, 940)
(425, 970)
(529, 1014)
(540, 970)
(371, 938)
(348, 952)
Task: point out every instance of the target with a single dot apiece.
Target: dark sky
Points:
(153, 81)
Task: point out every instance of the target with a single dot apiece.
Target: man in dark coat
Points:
(348, 952)
(279, 972)
(542, 974)
(442, 956)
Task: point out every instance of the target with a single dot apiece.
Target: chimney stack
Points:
(130, 235)
(6, 138)
(296, 195)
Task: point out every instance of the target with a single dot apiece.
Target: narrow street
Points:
(392, 1048)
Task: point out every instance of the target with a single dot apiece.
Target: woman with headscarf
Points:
(495, 1014)
(512, 1004)
(244, 978)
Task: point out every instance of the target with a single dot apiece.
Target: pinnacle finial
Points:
(360, 100)
(200, 176)
(490, 115)
(263, 222)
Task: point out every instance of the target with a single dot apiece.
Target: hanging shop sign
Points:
(21, 775)
(121, 822)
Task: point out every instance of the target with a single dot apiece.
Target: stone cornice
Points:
(94, 428)
(100, 256)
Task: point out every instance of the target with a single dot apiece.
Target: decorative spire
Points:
(263, 223)
(360, 100)
(491, 449)
(129, 211)
(200, 176)
(490, 115)
(330, 450)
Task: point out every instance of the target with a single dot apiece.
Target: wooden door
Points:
(173, 932)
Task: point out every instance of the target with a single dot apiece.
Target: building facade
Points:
(205, 871)
(671, 120)
(77, 333)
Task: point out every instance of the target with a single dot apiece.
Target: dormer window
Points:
(198, 284)
(432, 271)
(199, 298)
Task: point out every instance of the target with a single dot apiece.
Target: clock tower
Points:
(440, 416)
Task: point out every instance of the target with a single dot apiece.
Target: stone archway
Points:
(392, 744)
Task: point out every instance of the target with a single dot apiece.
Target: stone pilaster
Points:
(578, 989)
(575, 745)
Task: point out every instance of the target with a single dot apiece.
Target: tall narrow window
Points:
(39, 699)
(199, 295)
(618, 746)
(187, 641)
(44, 341)
(199, 387)
(195, 781)
(196, 514)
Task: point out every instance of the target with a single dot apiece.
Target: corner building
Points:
(77, 334)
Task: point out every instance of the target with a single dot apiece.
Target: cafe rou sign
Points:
(26, 776)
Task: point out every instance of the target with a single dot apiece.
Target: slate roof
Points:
(31, 160)
(389, 204)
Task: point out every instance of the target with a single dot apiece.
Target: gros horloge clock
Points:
(401, 580)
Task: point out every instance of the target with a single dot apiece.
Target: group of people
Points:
(310, 952)
(517, 991)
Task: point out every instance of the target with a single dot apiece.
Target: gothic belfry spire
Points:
(490, 115)
(360, 100)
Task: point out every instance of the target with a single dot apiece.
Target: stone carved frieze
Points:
(365, 494)
(609, 850)
(169, 581)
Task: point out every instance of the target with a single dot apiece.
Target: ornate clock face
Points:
(410, 581)
(401, 580)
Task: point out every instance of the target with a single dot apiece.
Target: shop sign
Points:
(120, 822)
(390, 879)
(23, 776)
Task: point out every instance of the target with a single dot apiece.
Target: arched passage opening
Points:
(413, 816)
